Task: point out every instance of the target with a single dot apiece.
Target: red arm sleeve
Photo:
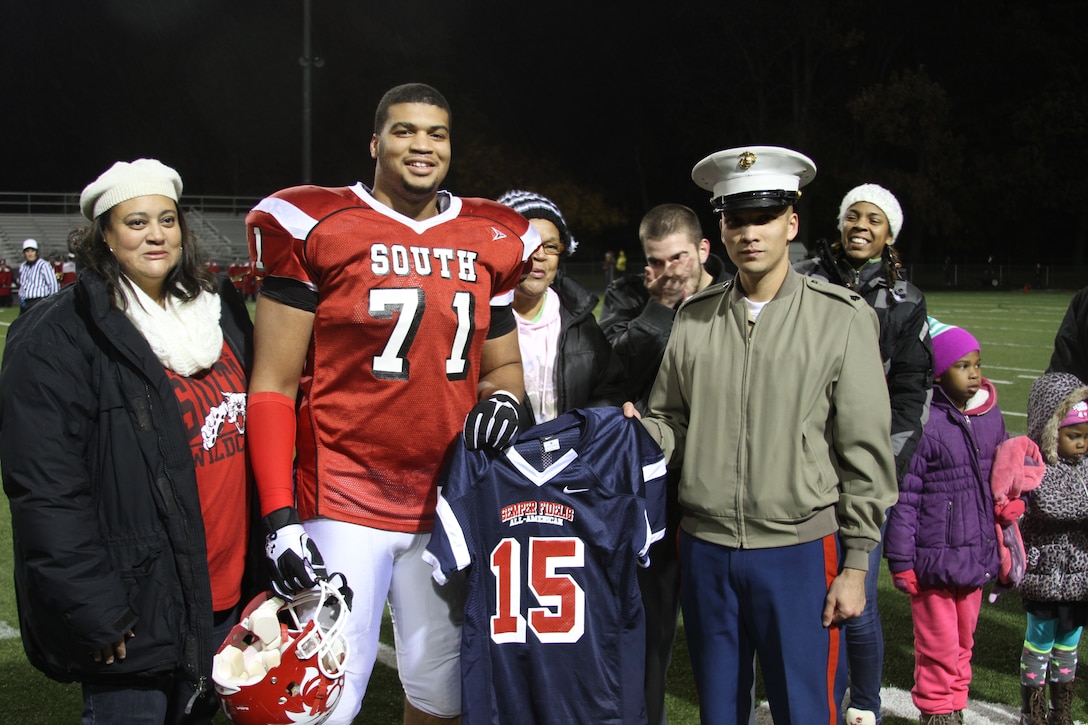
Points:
(270, 433)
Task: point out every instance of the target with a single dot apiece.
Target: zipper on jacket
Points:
(193, 622)
(976, 465)
(201, 688)
(742, 460)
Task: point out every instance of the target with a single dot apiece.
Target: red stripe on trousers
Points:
(831, 570)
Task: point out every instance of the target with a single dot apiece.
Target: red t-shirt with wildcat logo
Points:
(213, 408)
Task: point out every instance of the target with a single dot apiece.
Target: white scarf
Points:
(185, 336)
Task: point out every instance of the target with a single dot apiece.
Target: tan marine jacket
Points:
(781, 427)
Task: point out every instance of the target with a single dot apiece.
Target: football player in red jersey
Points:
(383, 320)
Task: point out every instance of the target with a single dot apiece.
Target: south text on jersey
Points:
(401, 260)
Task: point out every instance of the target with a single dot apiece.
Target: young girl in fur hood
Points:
(1055, 531)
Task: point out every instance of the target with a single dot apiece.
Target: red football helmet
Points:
(290, 676)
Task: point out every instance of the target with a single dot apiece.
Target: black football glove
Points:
(493, 422)
(295, 562)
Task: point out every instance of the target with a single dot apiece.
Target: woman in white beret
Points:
(864, 258)
(122, 442)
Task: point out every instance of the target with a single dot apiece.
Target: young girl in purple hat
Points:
(941, 538)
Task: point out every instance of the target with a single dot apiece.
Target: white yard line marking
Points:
(898, 703)
(387, 656)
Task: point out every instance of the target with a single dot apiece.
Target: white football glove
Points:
(295, 562)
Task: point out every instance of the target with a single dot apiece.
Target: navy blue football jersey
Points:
(550, 532)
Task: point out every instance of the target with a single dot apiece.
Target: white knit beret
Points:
(879, 196)
(124, 181)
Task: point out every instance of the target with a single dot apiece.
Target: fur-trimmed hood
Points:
(1052, 397)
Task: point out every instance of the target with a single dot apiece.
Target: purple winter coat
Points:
(943, 524)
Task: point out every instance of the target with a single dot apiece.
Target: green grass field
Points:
(1016, 332)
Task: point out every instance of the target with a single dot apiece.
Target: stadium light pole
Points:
(308, 63)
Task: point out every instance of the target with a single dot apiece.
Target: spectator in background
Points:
(130, 551)
(252, 285)
(566, 359)
(989, 273)
(637, 318)
(865, 260)
(609, 267)
(1071, 341)
(37, 279)
(68, 271)
(54, 262)
(621, 262)
(7, 282)
(58, 268)
(237, 273)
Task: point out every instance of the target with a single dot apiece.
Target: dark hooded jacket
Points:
(106, 518)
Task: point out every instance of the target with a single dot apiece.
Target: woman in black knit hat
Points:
(568, 362)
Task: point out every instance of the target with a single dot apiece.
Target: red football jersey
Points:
(403, 311)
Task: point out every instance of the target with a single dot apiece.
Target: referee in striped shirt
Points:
(37, 280)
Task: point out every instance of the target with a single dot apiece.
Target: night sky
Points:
(973, 112)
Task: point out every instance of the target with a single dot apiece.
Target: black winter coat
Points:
(587, 373)
(638, 327)
(1071, 341)
(106, 518)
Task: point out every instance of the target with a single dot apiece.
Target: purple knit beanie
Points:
(950, 343)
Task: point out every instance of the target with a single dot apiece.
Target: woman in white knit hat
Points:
(123, 455)
(865, 259)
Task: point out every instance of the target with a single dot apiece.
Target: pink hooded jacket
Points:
(1018, 468)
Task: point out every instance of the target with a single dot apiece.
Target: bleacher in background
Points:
(217, 222)
(51, 231)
